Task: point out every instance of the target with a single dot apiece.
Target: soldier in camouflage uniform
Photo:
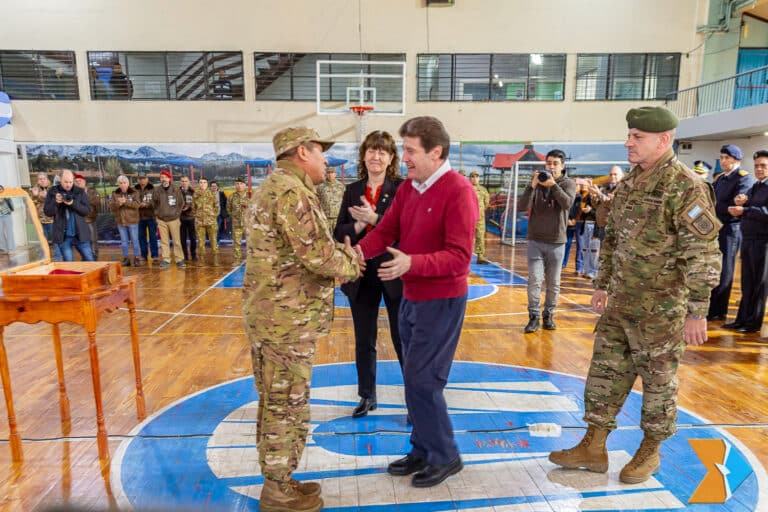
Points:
(658, 263)
(205, 208)
(331, 193)
(288, 288)
(236, 206)
(483, 199)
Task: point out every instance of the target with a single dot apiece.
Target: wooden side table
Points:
(83, 309)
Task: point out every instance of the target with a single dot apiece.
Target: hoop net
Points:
(361, 111)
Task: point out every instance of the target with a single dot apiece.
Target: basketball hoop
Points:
(361, 111)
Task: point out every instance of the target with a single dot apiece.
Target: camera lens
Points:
(543, 175)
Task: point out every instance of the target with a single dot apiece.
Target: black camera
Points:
(544, 175)
(67, 197)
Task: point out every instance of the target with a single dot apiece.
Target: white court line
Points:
(181, 312)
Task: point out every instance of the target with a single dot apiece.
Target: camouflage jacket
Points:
(483, 200)
(205, 208)
(236, 209)
(38, 198)
(292, 260)
(330, 195)
(660, 254)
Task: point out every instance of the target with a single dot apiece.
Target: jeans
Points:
(569, 234)
(131, 231)
(579, 254)
(589, 248)
(545, 261)
(151, 226)
(48, 232)
(92, 228)
(65, 248)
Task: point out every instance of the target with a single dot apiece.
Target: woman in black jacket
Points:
(364, 204)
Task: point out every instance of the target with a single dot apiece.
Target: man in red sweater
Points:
(433, 215)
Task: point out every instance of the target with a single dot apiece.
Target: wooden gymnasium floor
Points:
(186, 456)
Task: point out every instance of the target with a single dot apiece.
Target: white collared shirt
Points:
(423, 187)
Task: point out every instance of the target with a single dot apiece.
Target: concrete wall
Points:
(471, 26)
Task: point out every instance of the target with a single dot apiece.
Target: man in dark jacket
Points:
(147, 222)
(548, 202)
(68, 205)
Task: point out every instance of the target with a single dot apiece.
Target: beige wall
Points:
(480, 26)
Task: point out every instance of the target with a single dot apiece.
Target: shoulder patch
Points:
(742, 172)
(700, 219)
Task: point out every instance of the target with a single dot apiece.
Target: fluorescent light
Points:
(536, 58)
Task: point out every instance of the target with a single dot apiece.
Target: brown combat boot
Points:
(645, 463)
(589, 454)
(284, 497)
(306, 488)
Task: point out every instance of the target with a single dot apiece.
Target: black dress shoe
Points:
(733, 326)
(433, 475)
(715, 318)
(747, 330)
(365, 405)
(406, 465)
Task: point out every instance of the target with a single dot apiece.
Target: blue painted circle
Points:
(177, 459)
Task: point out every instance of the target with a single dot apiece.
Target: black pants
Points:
(365, 317)
(754, 283)
(430, 333)
(729, 240)
(188, 232)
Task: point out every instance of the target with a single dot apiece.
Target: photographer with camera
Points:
(548, 198)
(68, 205)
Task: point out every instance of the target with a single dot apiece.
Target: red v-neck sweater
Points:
(437, 230)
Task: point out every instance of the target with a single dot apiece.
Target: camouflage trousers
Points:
(237, 240)
(212, 230)
(282, 373)
(625, 348)
(480, 237)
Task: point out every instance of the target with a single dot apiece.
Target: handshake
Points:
(389, 270)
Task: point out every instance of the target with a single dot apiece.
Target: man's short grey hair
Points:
(122, 179)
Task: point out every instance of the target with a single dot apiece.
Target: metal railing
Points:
(739, 91)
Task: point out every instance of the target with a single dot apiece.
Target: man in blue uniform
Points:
(730, 183)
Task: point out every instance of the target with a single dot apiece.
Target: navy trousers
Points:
(729, 240)
(754, 283)
(429, 332)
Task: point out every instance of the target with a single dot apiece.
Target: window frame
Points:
(611, 78)
(39, 77)
(454, 76)
(122, 57)
(396, 57)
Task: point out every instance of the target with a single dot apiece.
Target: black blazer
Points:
(345, 226)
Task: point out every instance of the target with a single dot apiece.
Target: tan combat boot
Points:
(216, 262)
(589, 454)
(306, 488)
(645, 463)
(284, 497)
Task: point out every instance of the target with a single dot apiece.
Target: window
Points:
(627, 76)
(293, 76)
(166, 75)
(38, 75)
(491, 77)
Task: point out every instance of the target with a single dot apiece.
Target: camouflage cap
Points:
(652, 119)
(289, 138)
(473, 174)
(239, 179)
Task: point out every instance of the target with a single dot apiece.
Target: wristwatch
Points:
(695, 317)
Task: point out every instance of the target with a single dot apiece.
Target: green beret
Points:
(652, 119)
